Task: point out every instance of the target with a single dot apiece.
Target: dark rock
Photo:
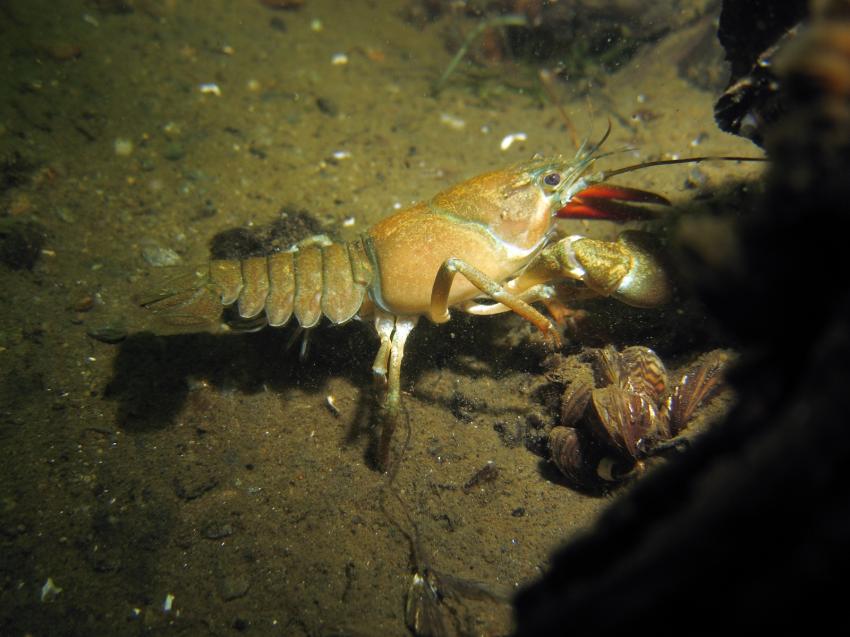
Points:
(21, 243)
(233, 586)
(217, 530)
(327, 106)
(191, 485)
(110, 334)
(15, 170)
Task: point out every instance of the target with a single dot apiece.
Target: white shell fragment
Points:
(339, 59)
(452, 121)
(210, 88)
(331, 404)
(49, 590)
(510, 138)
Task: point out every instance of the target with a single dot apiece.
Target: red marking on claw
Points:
(607, 201)
(622, 193)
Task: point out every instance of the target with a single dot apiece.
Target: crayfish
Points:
(496, 230)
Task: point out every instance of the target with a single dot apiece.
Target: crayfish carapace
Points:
(496, 230)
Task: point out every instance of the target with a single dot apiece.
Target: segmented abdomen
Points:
(313, 279)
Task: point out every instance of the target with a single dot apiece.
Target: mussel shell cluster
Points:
(607, 430)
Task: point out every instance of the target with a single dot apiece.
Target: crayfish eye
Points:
(552, 179)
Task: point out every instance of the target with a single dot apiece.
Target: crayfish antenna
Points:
(547, 80)
(607, 174)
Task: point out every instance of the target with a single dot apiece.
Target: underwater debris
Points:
(485, 474)
(579, 39)
(489, 23)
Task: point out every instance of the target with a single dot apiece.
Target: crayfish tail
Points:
(184, 301)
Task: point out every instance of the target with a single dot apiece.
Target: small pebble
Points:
(63, 51)
(65, 214)
(123, 147)
(159, 256)
(109, 334)
(19, 204)
(174, 151)
(699, 139)
(327, 106)
(696, 179)
(171, 130)
(282, 4)
(233, 587)
(240, 624)
(84, 304)
(217, 531)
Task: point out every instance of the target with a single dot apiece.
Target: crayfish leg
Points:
(531, 295)
(439, 311)
(393, 331)
(384, 325)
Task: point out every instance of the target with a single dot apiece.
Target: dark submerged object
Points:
(21, 243)
(753, 34)
(752, 528)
